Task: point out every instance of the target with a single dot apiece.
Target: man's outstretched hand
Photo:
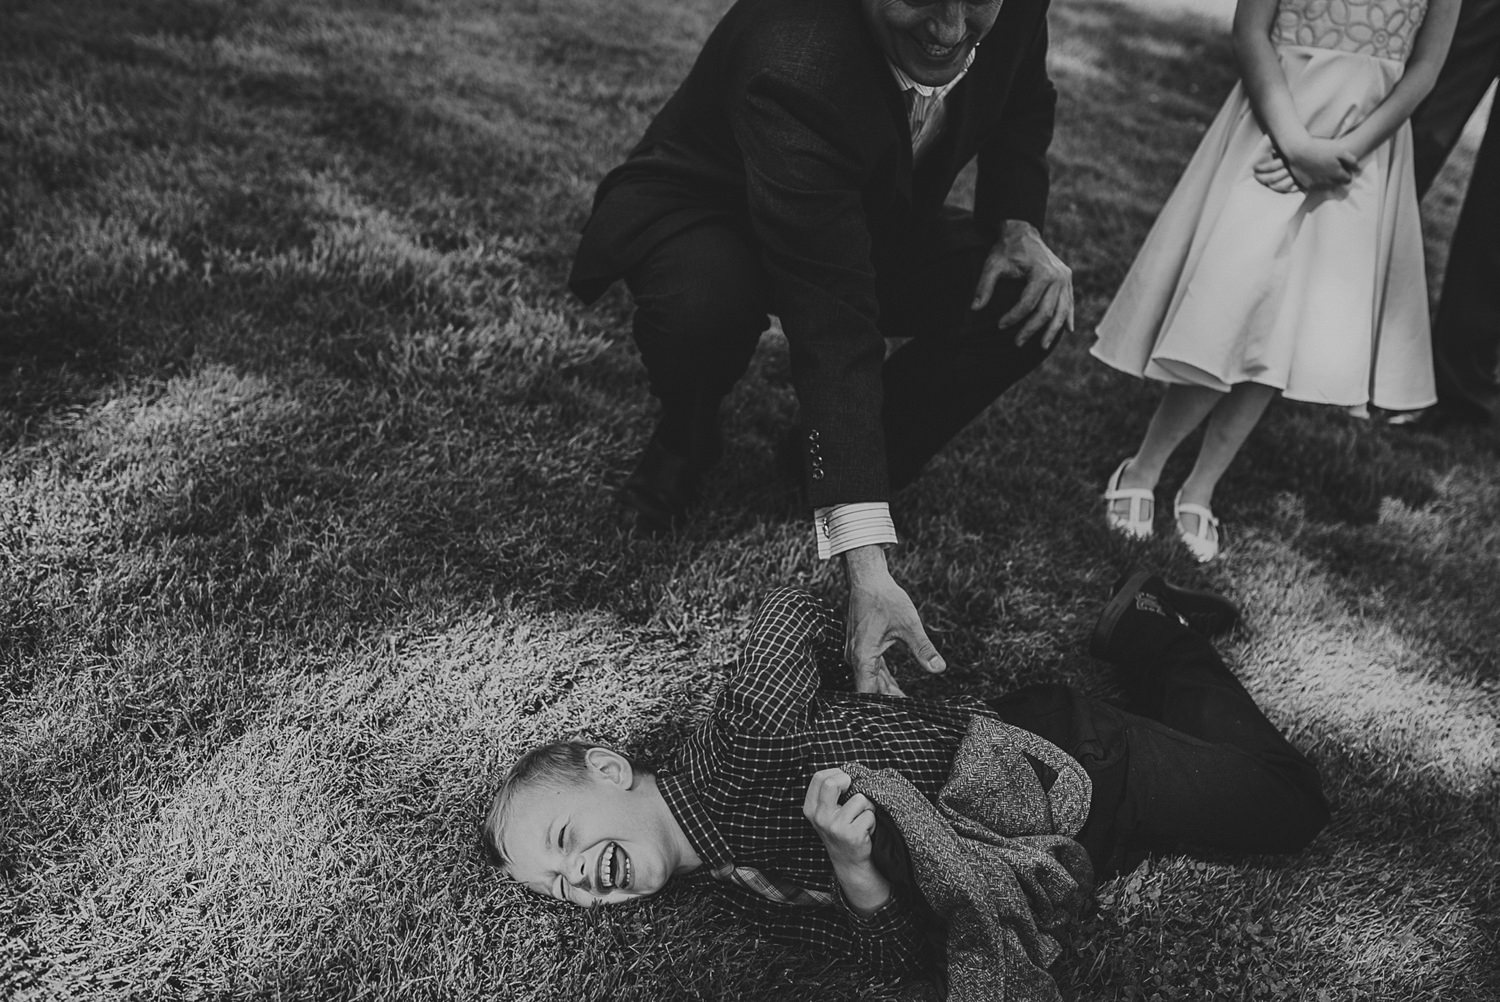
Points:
(1045, 304)
(881, 613)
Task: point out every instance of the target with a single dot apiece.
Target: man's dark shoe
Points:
(1144, 611)
(660, 490)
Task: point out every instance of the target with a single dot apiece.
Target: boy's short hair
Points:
(564, 763)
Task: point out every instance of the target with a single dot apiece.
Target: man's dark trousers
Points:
(1193, 764)
(1466, 335)
(702, 300)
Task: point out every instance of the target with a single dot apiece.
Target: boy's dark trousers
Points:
(702, 301)
(1196, 765)
(1466, 334)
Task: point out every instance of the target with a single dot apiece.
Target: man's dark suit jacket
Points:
(791, 127)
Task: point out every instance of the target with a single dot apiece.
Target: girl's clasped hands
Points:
(1313, 165)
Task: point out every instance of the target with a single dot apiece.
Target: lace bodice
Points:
(1381, 28)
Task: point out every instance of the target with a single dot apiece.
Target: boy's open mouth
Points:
(614, 868)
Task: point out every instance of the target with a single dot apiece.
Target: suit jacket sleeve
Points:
(1013, 181)
(804, 169)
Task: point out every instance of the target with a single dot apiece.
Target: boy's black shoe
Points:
(1204, 612)
(1144, 613)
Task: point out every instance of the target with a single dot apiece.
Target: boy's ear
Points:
(611, 766)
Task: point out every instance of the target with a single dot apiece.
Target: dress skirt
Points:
(1322, 295)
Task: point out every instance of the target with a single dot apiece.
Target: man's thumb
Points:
(928, 655)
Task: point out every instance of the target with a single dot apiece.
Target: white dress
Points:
(1320, 295)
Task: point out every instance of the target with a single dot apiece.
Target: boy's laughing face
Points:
(605, 838)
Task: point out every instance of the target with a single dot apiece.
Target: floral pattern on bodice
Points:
(1381, 28)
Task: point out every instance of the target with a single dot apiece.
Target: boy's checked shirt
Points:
(738, 783)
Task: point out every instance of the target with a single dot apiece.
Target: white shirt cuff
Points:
(842, 527)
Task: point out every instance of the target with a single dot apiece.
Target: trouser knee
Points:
(700, 307)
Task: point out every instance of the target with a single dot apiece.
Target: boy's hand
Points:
(846, 830)
(846, 827)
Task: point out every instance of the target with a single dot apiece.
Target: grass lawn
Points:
(306, 528)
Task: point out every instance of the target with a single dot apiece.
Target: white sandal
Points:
(1203, 544)
(1137, 524)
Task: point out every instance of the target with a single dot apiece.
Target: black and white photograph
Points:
(749, 500)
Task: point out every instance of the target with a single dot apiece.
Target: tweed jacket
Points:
(791, 128)
(993, 859)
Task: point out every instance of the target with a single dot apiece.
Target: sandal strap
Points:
(1140, 517)
(1206, 519)
(1139, 498)
(1114, 492)
(1130, 493)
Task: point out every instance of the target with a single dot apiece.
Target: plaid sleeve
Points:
(887, 942)
(795, 647)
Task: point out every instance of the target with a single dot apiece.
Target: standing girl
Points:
(1289, 258)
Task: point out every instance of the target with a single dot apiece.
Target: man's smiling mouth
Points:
(936, 52)
(615, 872)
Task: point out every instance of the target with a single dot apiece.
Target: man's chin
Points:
(929, 77)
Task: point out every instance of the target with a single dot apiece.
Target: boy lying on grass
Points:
(759, 798)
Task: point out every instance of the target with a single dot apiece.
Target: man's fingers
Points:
(988, 275)
(1048, 316)
(1060, 319)
(870, 674)
(888, 686)
(1031, 294)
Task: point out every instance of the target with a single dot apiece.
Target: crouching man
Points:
(763, 798)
